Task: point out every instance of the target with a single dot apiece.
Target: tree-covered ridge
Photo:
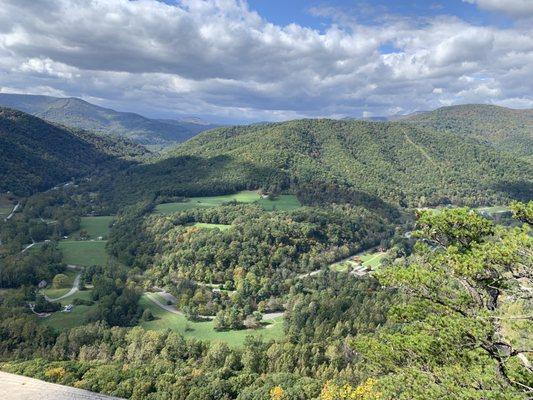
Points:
(504, 128)
(392, 161)
(36, 155)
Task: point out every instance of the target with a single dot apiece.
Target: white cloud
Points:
(220, 58)
(514, 8)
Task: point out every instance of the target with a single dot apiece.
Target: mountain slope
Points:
(504, 128)
(36, 155)
(78, 113)
(397, 162)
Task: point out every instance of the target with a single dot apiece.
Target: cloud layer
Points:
(220, 58)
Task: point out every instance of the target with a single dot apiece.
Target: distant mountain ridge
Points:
(503, 128)
(36, 155)
(77, 113)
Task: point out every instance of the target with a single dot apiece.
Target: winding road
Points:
(172, 308)
(74, 289)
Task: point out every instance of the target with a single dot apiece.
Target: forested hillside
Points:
(504, 128)
(448, 321)
(367, 161)
(77, 113)
(36, 155)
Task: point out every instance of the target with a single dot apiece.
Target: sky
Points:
(237, 61)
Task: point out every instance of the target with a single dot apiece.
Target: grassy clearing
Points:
(54, 293)
(370, 260)
(83, 253)
(6, 205)
(204, 330)
(282, 202)
(203, 225)
(163, 320)
(96, 226)
(342, 266)
(66, 320)
(494, 209)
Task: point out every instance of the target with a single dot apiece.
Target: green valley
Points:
(306, 254)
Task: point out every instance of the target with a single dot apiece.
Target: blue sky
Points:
(256, 60)
(298, 11)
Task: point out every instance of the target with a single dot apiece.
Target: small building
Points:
(42, 284)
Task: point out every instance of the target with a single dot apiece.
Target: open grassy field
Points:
(6, 205)
(370, 259)
(66, 320)
(494, 209)
(164, 320)
(282, 202)
(54, 293)
(222, 227)
(204, 330)
(83, 253)
(96, 226)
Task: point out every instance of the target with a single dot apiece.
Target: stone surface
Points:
(17, 387)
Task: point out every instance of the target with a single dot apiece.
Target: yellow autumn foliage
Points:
(55, 373)
(277, 393)
(365, 391)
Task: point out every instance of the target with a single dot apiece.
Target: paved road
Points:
(170, 308)
(312, 273)
(17, 387)
(167, 307)
(28, 247)
(273, 315)
(74, 289)
(17, 206)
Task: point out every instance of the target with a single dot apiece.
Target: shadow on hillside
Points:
(326, 192)
(190, 176)
(520, 190)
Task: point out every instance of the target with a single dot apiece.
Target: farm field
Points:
(54, 293)
(96, 226)
(370, 259)
(82, 252)
(222, 227)
(204, 330)
(282, 202)
(66, 320)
